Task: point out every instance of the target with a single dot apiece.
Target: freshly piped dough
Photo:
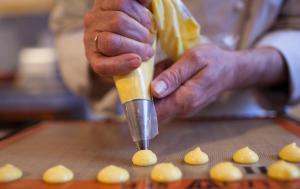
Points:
(144, 158)
(196, 157)
(112, 174)
(225, 171)
(9, 173)
(58, 174)
(290, 153)
(281, 170)
(245, 155)
(165, 172)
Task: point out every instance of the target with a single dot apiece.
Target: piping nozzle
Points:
(142, 121)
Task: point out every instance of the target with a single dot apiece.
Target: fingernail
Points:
(135, 62)
(150, 53)
(160, 87)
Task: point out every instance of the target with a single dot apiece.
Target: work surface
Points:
(87, 147)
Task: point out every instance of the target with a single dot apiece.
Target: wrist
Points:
(258, 67)
(237, 69)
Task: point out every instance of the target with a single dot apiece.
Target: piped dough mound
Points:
(112, 174)
(226, 172)
(58, 174)
(165, 172)
(9, 173)
(281, 170)
(245, 156)
(290, 152)
(144, 158)
(196, 157)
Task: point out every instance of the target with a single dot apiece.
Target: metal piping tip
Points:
(142, 121)
(142, 144)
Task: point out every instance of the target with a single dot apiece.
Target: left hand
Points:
(194, 81)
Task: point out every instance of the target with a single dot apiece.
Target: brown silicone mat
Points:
(87, 147)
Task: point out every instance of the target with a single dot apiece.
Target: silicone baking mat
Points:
(87, 147)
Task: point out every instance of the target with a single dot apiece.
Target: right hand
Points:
(124, 37)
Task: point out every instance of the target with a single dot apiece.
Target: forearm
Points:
(260, 67)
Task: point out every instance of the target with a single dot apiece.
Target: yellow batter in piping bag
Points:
(177, 31)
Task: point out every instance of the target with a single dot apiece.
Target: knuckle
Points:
(187, 103)
(101, 69)
(110, 43)
(143, 50)
(143, 15)
(138, 49)
(118, 22)
(97, 67)
(88, 19)
(194, 55)
(173, 78)
(148, 37)
(179, 103)
(183, 105)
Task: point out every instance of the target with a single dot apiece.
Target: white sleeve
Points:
(72, 62)
(287, 42)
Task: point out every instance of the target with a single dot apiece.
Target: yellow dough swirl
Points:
(112, 174)
(281, 170)
(225, 171)
(165, 172)
(144, 158)
(58, 174)
(290, 153)
(196, 157)
(245, 155)
(9, 173)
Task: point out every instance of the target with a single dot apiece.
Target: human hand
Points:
(194, 81)
(145, 2)
(117, 36)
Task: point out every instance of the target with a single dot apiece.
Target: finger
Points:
(145, 2)
(110, 66)
(110, 44)
(170, 79)
(177, 103)
(165, 110)
(185, 102)
(131, 7)
(122, 24)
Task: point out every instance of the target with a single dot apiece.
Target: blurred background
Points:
(31, 88)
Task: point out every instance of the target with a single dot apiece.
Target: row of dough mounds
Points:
(167, 172)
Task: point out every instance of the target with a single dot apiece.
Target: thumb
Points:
(173, 77)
